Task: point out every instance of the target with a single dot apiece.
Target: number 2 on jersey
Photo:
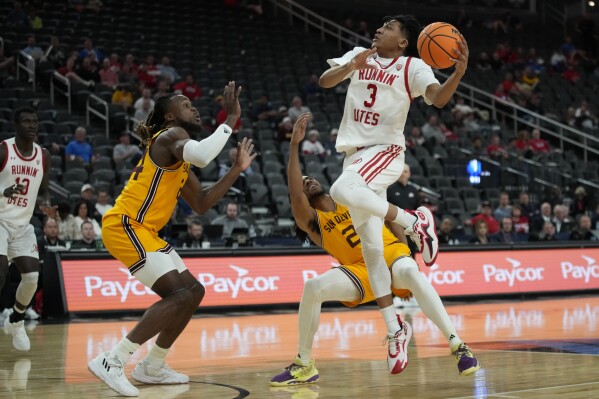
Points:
(352, 238)
(372, 87)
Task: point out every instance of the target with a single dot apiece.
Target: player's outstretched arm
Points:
(303, 213)
(333, 76)
(441, 94)
(200, 199)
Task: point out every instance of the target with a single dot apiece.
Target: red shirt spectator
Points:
(222, 116)
(485, 214)
(538, 144)
(496, 150)
(188, 88)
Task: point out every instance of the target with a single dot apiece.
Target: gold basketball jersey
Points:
(339, 238)
(151, 193)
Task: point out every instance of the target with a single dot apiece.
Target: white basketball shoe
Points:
(148, 374)
(20, 340)
(110, 369)
(424, 235)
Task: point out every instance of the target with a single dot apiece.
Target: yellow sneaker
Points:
(467, 363)
(296, 374)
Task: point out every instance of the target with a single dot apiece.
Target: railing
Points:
(91, 110)
(517, 115)
(325, 26)
(28, 67)
(65, 92)
(58, 191)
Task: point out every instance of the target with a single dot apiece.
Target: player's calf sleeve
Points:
(406, 275)
(372, 251)
(27, 288)
(351, 190)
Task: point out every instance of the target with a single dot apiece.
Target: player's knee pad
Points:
(27, 287)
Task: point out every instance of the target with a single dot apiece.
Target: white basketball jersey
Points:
(27, 171)
(378, 100)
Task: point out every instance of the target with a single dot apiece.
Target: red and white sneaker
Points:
(397, 354)
(424, 234)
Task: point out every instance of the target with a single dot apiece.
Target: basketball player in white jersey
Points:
(23, 164)
(384, 81)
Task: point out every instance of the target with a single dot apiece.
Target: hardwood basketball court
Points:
(532, 349)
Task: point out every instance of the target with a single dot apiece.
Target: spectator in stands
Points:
(543, 217)
(67, 227)
(241, 183)
(167, 70)
(553, 195)
(80, 211)
(477, 146)
(146, 94)
(87, 237)
(195, 234)
(17, 16)
(34, 20)
(221, 117)
(446, 233)
(529, 210)
(108, 74)
(580, 203)
(583, 230)
(189, 88)
(50, 238)
(128, 76)
(147, 73)
(232, 221)
(519, 220)
(95, 55)
(329, 146)
(484, 62)
(313, 145)
(262, 110)
(504, 209)
(584, 117)
(282, 113)
(102, 204)
(125, 154)
(485, 215)
(416, 138)
(547, 233)
(57, 54)
(142, 113)
(521, 144)
(563, 223)
(88, 71)
(558, 61)
(164, 88)
(87, 194)
(68, 68)
(529, 80)
(297, 108)
(571, 74)
(115, 63)
(312, 86)
(401, 193)
(34, 51)
(79, 147)
(432, 131)
(537, 144)
(283, 136)
(567, 47)
(481, 233)
(130, 61)
(123, 96)
(506, 234)
(496, 150)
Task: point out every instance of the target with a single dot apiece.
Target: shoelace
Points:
(116, 364)
(462, 350)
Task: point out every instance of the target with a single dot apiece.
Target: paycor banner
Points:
(105, 285)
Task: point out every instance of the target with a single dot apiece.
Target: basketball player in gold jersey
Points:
(329, 225)
(130, 231)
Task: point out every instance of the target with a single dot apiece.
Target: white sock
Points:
(333, 285)
(124, 349)
(156, 356)
(391, 321)
(406, 275)
(403, 218)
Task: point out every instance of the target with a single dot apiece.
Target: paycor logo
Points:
(447, 277)
(516, 273)
(107, 288)
(576, 272)
(242, 282)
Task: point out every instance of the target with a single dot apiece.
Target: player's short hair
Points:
(21, 110)
(411, 28)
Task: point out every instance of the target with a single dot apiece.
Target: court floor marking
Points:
(528, 390)
(535, 352)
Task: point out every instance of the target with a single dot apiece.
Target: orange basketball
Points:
(436, 43)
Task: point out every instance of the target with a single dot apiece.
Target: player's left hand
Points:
(299, 128)
(245, 154)
(461, 61)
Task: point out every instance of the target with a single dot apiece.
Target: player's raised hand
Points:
(360, 61)
(10, 192)
(245, 153)
(299, 128)
(461, 61)
(231, 100)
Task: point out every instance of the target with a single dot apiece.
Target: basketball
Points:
(436, 43)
